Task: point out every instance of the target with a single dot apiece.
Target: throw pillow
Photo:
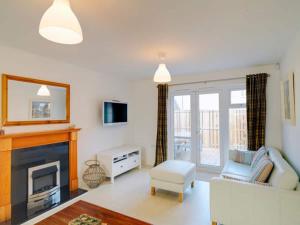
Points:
(258, 155)
(262, 170)
(240, 156)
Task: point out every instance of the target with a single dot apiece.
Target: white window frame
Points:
(222, 127)
(172, 94)
(234, 106)
(224, 89)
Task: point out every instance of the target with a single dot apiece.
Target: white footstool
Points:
(173, 175)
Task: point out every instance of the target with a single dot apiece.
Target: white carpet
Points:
(130, 195)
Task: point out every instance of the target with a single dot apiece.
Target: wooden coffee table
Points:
(64, 216)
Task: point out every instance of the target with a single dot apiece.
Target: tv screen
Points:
(114, 112)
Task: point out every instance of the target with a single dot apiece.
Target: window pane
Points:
(209, 129)
(182, 127)
(238, 128)
(238, 97)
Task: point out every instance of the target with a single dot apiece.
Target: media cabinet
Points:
(120, 160)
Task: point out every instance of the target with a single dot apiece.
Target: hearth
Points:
(43, 187)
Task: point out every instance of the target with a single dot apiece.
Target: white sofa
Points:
(235, 202)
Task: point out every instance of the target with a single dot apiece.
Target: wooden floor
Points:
(64, 216)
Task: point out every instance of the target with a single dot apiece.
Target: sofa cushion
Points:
(262, 170)
(174, 171)
(283, 175)
(258, 155)
(237, 169)
(241, 156)
(235, 177)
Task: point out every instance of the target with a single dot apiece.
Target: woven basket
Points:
(94, 175)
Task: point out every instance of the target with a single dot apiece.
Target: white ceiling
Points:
(123, 37)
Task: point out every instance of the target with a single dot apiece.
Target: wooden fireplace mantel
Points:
(13, 142)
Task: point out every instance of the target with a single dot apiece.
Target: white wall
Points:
(291, 134)
(145, 109)
(88, 89)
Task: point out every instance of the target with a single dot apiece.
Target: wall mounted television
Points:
(114, 113)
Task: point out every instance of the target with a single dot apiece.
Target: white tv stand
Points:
(120, 160)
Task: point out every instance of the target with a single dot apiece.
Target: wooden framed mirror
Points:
(27, 101)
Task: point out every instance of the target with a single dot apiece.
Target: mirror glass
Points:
(35, 102)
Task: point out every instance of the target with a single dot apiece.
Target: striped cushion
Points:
(239, 156)
(262, 170)
(258, 155)
(241, 179)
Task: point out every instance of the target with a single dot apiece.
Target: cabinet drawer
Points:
(133, 161)
(120, 167)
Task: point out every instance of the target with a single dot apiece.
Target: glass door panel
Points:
(205, 123)
(209, 130)
(238, 128)
(238, 120)
(182, 135)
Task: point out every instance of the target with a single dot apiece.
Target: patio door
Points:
(181, 124)
(208, 139)
(195, 128)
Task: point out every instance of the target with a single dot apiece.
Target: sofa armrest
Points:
(235, 202)
(239, 156)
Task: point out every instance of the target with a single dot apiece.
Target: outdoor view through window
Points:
(238, 120)
(207, 126)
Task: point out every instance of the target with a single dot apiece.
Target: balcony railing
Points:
(238, 128)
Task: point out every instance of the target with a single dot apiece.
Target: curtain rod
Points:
(208, 81)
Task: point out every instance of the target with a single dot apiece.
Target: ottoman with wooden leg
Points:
(173, 175)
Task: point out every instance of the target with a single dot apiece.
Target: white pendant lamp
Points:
(162, 74)
(43, 91)
(59, 24)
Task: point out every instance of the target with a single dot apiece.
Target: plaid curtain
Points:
(256, 110)
(162, 135)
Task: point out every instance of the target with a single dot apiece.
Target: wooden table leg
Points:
(152, 190)
(180, 197)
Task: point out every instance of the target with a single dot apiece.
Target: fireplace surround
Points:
(14, 146)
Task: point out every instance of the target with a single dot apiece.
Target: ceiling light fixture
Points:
(162, 74)
(43, 91)
(59, 24)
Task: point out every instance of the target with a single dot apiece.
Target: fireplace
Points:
(40, 178)
(38, 172)
(43, 187)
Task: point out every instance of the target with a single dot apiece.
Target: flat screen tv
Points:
(114, 113)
